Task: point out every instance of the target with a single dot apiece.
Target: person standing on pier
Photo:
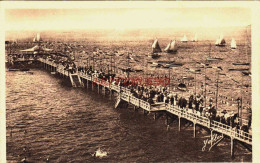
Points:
(172, 100)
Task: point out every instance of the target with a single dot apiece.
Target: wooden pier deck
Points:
(124, 95)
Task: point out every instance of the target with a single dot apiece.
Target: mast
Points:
(209, 49)
(217, 90)
(169, 79)
(127, 65)
(205, 93)
(195, 83)
(241, 105)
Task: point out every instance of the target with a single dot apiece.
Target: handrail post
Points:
(120, 91)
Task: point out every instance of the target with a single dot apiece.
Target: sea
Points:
(47, 120)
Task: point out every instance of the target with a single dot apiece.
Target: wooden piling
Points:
(110, 93)
(167, 119)
(179, 123)
(232, 147)
(211, 137)
(154, 116)
(194, 130)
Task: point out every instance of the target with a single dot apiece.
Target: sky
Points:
(124, 18)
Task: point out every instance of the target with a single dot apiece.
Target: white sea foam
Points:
(100, 153)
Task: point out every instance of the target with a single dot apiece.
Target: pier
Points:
(172, 112)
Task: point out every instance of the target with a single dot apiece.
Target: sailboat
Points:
(38, 38)
(195, 39)
(233, 44)
(184, 39)
(220, 41)
(171, 47)
(155, 49)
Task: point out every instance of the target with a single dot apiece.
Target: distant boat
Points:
(220, 41)
(37, 38)
(171, 47)
(13, 69)
(169, 62)
(188, 78)
(238, 69)
(155, 64)
(240, 63)
(195, 39)
(214, 59)
(156, 47)
(233, 44)
(246, 73)
(182, 87)
(184, 39)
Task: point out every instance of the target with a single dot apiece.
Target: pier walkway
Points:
(124, 95)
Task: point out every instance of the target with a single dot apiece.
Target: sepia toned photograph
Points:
(128, 84)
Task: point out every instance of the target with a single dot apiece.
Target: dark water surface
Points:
(47, 119)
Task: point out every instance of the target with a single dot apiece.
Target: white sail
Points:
(184, 39)
(217, 42)
(171, 47)
(38, 37)
(154, 43)
(168, 46)
(195, 39)
(156, 46)
(233, 44)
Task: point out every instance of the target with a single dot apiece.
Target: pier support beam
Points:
(110, 93)
(179, 123)
(167, 119)
(104, 90)
(154, 116)
(194, 130)
(211, 137)
(232, 147)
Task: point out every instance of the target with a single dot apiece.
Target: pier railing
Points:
(216, 126)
